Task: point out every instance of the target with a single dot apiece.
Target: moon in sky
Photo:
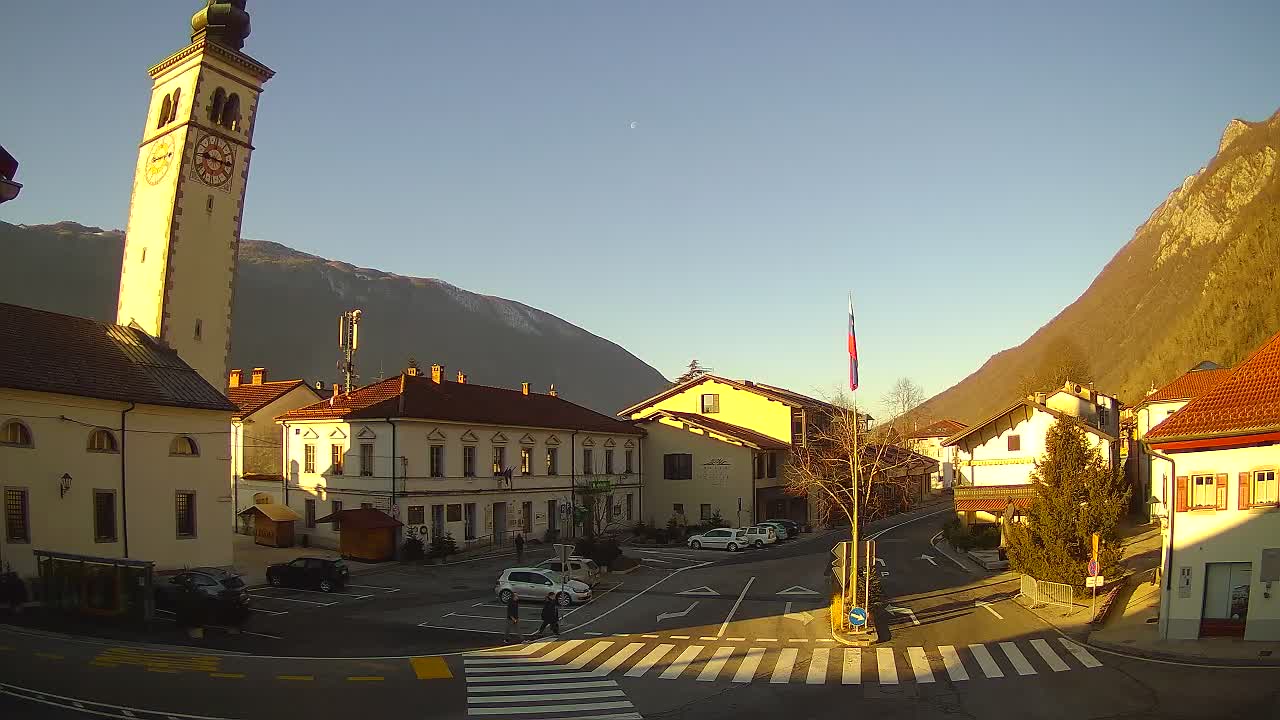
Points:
(634, 124)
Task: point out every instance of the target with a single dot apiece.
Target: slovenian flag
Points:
(853, 351)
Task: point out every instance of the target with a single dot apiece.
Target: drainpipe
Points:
(392, 423)
(640, 473)
(1172, 509)
(236, 433)
(284, 464)
(573, 484)
(124, 495)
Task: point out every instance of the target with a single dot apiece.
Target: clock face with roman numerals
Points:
(214, 160)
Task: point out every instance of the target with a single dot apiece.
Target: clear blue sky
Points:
(964, 168)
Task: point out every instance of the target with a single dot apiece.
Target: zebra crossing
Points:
(595, 660)
(511, 684)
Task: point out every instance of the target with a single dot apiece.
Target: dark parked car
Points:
(793, 527)
(324, 574)
(203, 595)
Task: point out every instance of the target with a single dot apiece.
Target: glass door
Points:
(1226, 598)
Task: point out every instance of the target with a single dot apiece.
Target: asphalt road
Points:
(691, 634)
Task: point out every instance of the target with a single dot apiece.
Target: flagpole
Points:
(853, 531)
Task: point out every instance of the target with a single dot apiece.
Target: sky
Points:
(701, 180)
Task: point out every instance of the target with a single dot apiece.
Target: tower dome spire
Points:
(224, 22)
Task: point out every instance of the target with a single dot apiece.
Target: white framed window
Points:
(627, 457)
(335, 459)
(437, 461)
(608, 461)
(309, 458)
(366, 459)
(704, 511)
(526, 461)
(468, 460)
(101, 440)
(499, 459)
(1204, 491)
(710, 403)
(185, 513)
(553, 461)
(1263, 490)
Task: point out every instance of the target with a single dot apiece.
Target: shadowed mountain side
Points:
(287, 305)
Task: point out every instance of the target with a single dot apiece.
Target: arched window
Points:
(165, 108)
(231, 113)
(173, 112)
(101, 440)
(184, 445)
(215, 108)
(16, 434)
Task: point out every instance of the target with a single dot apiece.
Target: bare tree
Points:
(1061, 360)
(902, 398)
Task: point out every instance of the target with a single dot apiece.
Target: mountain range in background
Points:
(1199, 280)
(286, 318)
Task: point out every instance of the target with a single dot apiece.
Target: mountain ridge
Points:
(404, 316)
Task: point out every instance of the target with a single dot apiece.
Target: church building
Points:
(114, 438)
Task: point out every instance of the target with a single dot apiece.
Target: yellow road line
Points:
(430, 668)
(295, 677)
(236, 676)
(49, 656)
(363, 678)
(162, 670)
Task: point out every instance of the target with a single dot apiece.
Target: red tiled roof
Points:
(362, 519)
(1189, 386)
(417, 396)
(49, 352)
(1245, 402)
(774, 393)
(252, 398)
(1034, 406)
(736, 432)
(942, 428)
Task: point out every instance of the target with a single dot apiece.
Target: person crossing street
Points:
(512, 629)
(550, 615)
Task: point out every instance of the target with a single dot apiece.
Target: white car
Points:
(778, 528)
(727, 538)
(531, 583)
(584, 570)
(760, 535)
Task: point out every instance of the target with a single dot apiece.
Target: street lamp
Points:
(64, 485)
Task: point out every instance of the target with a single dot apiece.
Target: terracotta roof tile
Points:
(410, 396)
(941, 428)
(722, 428)
(54, 353)
(252, 398)
(1247, 401)
(1189, 386)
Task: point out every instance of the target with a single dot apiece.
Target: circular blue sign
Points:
(857, 617)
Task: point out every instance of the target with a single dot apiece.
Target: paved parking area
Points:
(486, 615)
(273, 600)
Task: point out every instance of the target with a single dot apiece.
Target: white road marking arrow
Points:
(987, 605)
(880, 562)
(929, 558)
(797, 590)
(686, 611)
(903, 611)
(803, 616)
(704, 590)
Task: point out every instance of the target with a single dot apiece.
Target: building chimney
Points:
(524, 388)
(259, 375)
(411, 371)
(337, 389)
(236, 377)
(462, 378)
(1039, 398)
(437, 373)
(320, 385)
(553, 392)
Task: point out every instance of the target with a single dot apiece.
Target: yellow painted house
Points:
(722, 446)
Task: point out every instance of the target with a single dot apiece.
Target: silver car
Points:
(584, 570)
(727, 538)
(533, 583)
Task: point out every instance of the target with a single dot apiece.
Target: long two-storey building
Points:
(476, 462)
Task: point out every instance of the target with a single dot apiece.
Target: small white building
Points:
(928, 441)
(479, 463)
(1222, 533)
(995, 458)
(257, 447)
(111, 446)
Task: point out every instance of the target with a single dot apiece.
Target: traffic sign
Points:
(839, 566)
(1093, 568)
(857, 617)
(1095, 581)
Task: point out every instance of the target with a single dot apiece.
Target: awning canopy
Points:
(272, 511)
(361, 519)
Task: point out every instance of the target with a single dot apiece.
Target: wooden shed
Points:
(365, 534)
(272, 524)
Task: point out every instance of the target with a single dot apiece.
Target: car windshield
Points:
(233, 582)
(591, 565)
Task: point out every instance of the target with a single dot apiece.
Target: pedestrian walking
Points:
(550, 615)
(519, 548)
(513, 620)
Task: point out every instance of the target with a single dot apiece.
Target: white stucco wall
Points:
(1201, 537)
(152, 477)
(721, 474)
(257, 446)
(996, 464)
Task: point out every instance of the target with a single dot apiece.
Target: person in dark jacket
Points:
(513, 620)
(550, 615)
(519, 548)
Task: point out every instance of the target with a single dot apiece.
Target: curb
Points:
(949, 556)
(1177, 658)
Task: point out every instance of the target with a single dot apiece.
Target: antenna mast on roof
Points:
(348, 341)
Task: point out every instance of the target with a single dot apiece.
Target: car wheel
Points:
(275, 580)
(505, 596)
(326, 586)
(564, 600)
(759, 544)
(732, 547)
(695, 545)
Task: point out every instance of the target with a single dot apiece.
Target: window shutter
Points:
(1221, 479)
(1182, 494)
(1244, 489)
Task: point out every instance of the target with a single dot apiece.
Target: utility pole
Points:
(348, 341)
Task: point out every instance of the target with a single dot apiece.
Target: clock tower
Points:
(177, 279)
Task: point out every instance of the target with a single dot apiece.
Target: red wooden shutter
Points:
(1182, 494)
(1221, 479)
(1244, 489)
